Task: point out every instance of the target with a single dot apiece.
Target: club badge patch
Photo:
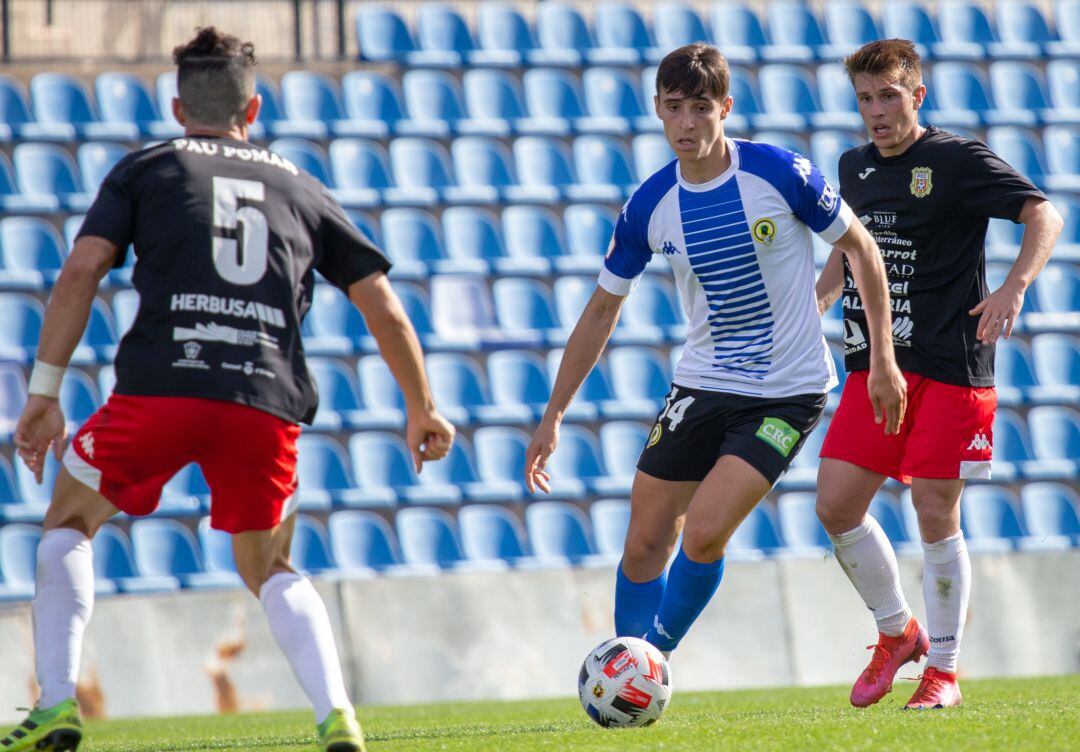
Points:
(921, 181)
(764, 231)
(654, 436)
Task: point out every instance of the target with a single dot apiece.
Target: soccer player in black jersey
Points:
(926, 196)
(227, 238)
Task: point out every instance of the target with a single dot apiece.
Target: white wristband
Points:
(45, 379)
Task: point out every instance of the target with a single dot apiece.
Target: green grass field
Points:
(1014, 714)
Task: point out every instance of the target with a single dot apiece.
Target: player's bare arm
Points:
(428, 434)
(886, 384)
(42, 421)
(998, 311)
(830, 283)
(583, 349)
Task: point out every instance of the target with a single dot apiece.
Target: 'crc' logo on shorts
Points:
(779, 435)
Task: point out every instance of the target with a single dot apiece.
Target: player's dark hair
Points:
(894, 59)
(215, 77)
(696, 70)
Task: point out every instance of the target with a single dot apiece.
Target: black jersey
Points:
(226, 236)
(928, 210)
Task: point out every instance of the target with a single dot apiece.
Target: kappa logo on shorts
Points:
(654, 435)
(779, 435)
(86, 441)
(980, 442)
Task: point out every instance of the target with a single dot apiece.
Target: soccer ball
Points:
(624, 682)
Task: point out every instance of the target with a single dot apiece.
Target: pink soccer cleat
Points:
(890, 654)
(938, 689)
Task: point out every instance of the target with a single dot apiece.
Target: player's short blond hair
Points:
(893, 59)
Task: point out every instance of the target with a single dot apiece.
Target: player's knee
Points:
(834, 516)
(704, 545)
(646, 548)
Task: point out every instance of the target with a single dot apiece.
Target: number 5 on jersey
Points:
(239, 257)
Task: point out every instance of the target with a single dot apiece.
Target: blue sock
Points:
(636, 603)
(690, 587)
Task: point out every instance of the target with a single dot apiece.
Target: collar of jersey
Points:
(719, 180)
(926, 136)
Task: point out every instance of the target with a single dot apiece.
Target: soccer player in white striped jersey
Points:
(734, 219)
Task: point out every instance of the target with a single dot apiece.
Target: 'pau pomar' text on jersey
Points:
(227, 236)
(928, 210)
(742, 252)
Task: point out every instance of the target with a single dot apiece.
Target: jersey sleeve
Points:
(347, 255)
(816, 202)
(990, 187)
(112, 214)
(629, 251)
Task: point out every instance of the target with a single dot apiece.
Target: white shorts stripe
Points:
(81, 470)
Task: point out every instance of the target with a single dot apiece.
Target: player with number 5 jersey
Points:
(734, 219)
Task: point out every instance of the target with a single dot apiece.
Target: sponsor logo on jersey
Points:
(192, 350)
(248, 369)
(884, 218)
(243, 309)
(87, 444)
(191, 353)
(854, 339)
(669, 248)
(921, 182)
(779, 435)
(764, 231)
(866, 219)
(654, 435)
(902, 326)
(866, 173)
(829, 197)
(980, 443)
(214, 332)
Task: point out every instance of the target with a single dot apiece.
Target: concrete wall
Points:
(523, 634)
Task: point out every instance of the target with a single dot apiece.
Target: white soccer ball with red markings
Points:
(624, 682)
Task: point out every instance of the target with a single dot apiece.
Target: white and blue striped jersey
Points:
(742, 253)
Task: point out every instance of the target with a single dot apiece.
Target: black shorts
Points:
(697, 427)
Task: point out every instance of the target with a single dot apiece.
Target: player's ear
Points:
(178, 111)
(251, 110)
(725, 108)
(656, 104)
(918, 96)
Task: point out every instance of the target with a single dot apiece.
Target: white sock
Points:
(868, 559)
(62, 606)
(946, 587)
(301, 627)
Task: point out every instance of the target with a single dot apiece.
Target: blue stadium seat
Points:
(443, 37)
(382, 34)
(589, 229)
(384, 467)
(1003, 240)
(325, 479)
(534, 240)
(433, 101)
(307, 156)
(217, 551)
(339, 399)
(114, 565)
(458, 468)
(99, 340)
(363, 543)
(826, 147)
(577, 467)
(651, 315)
(603, 169)
(18, 560)
(187, 493)
(795, 33)
(125, 98)
(802, 533)
(1068, 245)
(14, 506)
(524, 308)
(473, 240)
(12, 200)
(1050, 513)
(31, 253)
(367, 225)
(651, 152)
(737, 30)
(559, 534)
(106, 381)
(610, 521)
(677, 24)
(271, 119)
(1067, 20)
(463, 313)
(988, 515)
(965, 30)
(1021, 148)
(566, 40)
(413, 241)
(45, 170)
(596, 397)
(554, 101)
(756, 536)
(1014, 374)
(360, 172)
(961, 95)
(22, 316)
(14, 108)
(885, 509)
(1063, 162)
(1013, 455)
(378, 387)
(310, 548)
(544, 169)
(503, 34)
(12, 398)
(788, 96)
(519, 377)
(312, 107)
(1055, 435)
(571, 295)
(421, 169)
(493, 101)
(1057, 364)
(747, 106)
(1057, 299)
(639, 376)
(125, 306)
(837, 96)
(483, 169)
(622, 36)
(167, 548)
(414, 299)
(96, 159)
(1023, 30)
(611, 99)
(78, 398)
(429, 539)
(500, 457)
(64, 111)
(1019, 92)
(460, 388)
(621, 442)
(372, 102)
(492, 533)
(849, 26)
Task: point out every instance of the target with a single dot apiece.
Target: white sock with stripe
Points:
(868, 559)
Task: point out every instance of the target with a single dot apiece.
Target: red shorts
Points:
(948, 431)
(130, 448)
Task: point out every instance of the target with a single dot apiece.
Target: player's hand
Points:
(997, 313)
(41, 425)
(429, 436)
(544, 441)
(888, 396)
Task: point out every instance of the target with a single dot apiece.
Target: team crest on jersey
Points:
(764, 231)
(191, 350)
(654, 436)
(921, 181)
